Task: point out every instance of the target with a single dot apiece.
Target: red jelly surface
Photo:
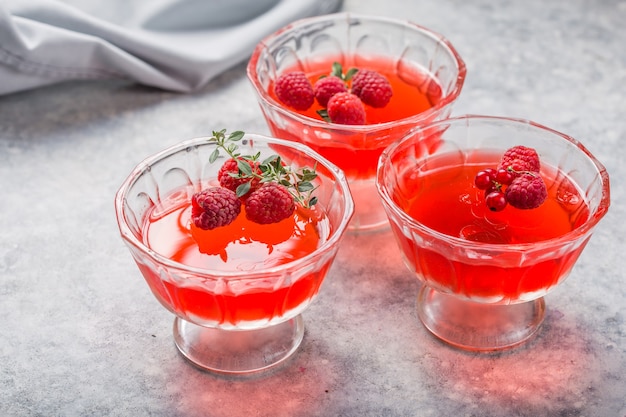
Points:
(414, 92)
(447, 201)
(241, 246)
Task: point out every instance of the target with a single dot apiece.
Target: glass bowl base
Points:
(369, 214)
(238, 352)
(476, 326)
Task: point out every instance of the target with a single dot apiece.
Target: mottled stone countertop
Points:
(81, 334)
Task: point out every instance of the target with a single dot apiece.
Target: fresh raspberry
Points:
(372, 88)
(230, 168)
(270, 203)
(527, 191)
(214, 207)
(295, 90)
(347, 109)
(327, 87)
(520, 158)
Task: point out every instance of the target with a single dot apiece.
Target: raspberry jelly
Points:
(414, 92)
(446, 200)
(240, 246)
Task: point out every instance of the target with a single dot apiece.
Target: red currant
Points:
(494, 187)
(484, 179)
(496, 201)
(504, 176)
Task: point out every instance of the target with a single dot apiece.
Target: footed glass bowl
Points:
(484, 274)
(231, 320)
(421, 62)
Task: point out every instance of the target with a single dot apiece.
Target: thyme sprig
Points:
(299, 183)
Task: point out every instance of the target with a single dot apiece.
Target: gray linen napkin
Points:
(177, 45)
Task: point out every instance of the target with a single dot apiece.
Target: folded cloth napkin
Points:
(177, 45)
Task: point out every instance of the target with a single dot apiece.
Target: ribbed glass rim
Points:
(334, 17)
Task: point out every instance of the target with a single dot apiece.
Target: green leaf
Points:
(243, 189)
(337, 70)
(214, 155)
(323, 113)
(307, 175)
(236, 136)
(244, 167)
(305, 186)
(269, 159)
(218, 133)
(350, 74)
(312, 201)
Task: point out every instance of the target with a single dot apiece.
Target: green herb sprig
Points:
(299, 183)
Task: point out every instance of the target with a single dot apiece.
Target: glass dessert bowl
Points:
(484, 273)
(237, 290)
(425, 75)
